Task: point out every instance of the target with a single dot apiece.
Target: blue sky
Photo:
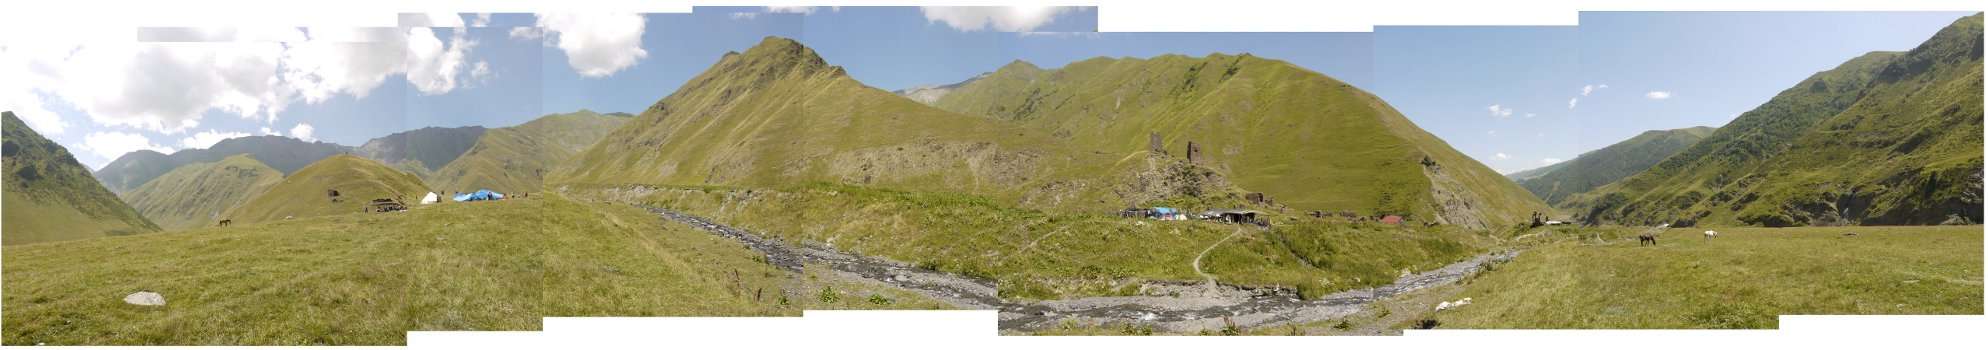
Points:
(1499, 94)
(1663, 70)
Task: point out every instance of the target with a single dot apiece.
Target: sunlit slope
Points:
(51, 197)
(305, 193)
(1889, 138)
(1309, 141)
(517, 159)
(195, 195)
(777, 114)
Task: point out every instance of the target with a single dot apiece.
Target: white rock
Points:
(145, 298)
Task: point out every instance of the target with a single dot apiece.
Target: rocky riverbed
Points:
(1211, 309)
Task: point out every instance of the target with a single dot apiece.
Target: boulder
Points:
(145, 298)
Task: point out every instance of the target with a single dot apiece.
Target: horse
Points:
(225, 222)
(1647, 237)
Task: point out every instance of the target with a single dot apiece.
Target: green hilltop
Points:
(195, 195)
(777, 114)
(1555, 183)
(516, 159)
(1888, 138)
(1307, 140)
(305, 193)
(51, 197)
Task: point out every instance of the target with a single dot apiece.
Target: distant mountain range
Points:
(198, 194)
(285, 154)
(1888, 138)
(51, 197)
(1555, 183)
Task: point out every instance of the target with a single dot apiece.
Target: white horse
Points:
(1709, 234)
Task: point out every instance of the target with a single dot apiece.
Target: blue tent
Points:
(479, 195)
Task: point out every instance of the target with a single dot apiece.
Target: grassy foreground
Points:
(366, 279)
(1742, 279)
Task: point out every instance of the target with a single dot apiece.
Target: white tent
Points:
(431, 198)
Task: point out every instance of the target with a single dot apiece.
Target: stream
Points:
(1213, 308)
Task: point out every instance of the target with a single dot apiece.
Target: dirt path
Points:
(1204, 254)
(1242, 307)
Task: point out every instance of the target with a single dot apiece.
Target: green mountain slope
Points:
(285, 154)
(1886, 138)
(1555, 183)
(518, 158)
(197, 194)
(421, 151)
(777, 114)
(51, 197)
(1305, 139)
(304, 193)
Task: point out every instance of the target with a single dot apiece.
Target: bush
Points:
(829, 296)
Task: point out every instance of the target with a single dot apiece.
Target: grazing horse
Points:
(1709, 234)
(224, 223)
(1646, 237)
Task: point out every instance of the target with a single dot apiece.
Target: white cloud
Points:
(1589, 89)
(482, 20)
(433, 67)
(28, 106)
(208, 138)
(303, 132)
(267, 131)
(110, 145)
(596, 45)
(526, 33)
(1529, 115)
(1658, 95)
(745, 15)
(1549, 161)
(805, 10)
(1502, 155)
(1572, 102)
(1006, 19)
(1500, 111)
(164, 87)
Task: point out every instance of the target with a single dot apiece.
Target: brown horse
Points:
(1646, 237)
(224, 223)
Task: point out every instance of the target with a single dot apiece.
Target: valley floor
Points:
(369, 278)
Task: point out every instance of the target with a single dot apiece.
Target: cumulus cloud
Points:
(1658, 95)
(303, 132)
(208, 138)
(1006, 19)
(1502, 155)
(110, 145)
(267, 131)
(1549, 161)
(162, 87)
(1500, 111)
(596, 45)
(745, 15)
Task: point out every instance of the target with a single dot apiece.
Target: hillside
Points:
(51, 197)
(1888, 138)
(777, 114)
(285, 154)
(517, 159)
(1555, 183)
(1305, 139)
(304, 193)
(931, 94)
(421, 150)
(197, 194)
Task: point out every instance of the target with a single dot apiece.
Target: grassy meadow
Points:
(368, 278)
(1742, 279)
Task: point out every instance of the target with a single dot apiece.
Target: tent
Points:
(431, 198)
(479, 195)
